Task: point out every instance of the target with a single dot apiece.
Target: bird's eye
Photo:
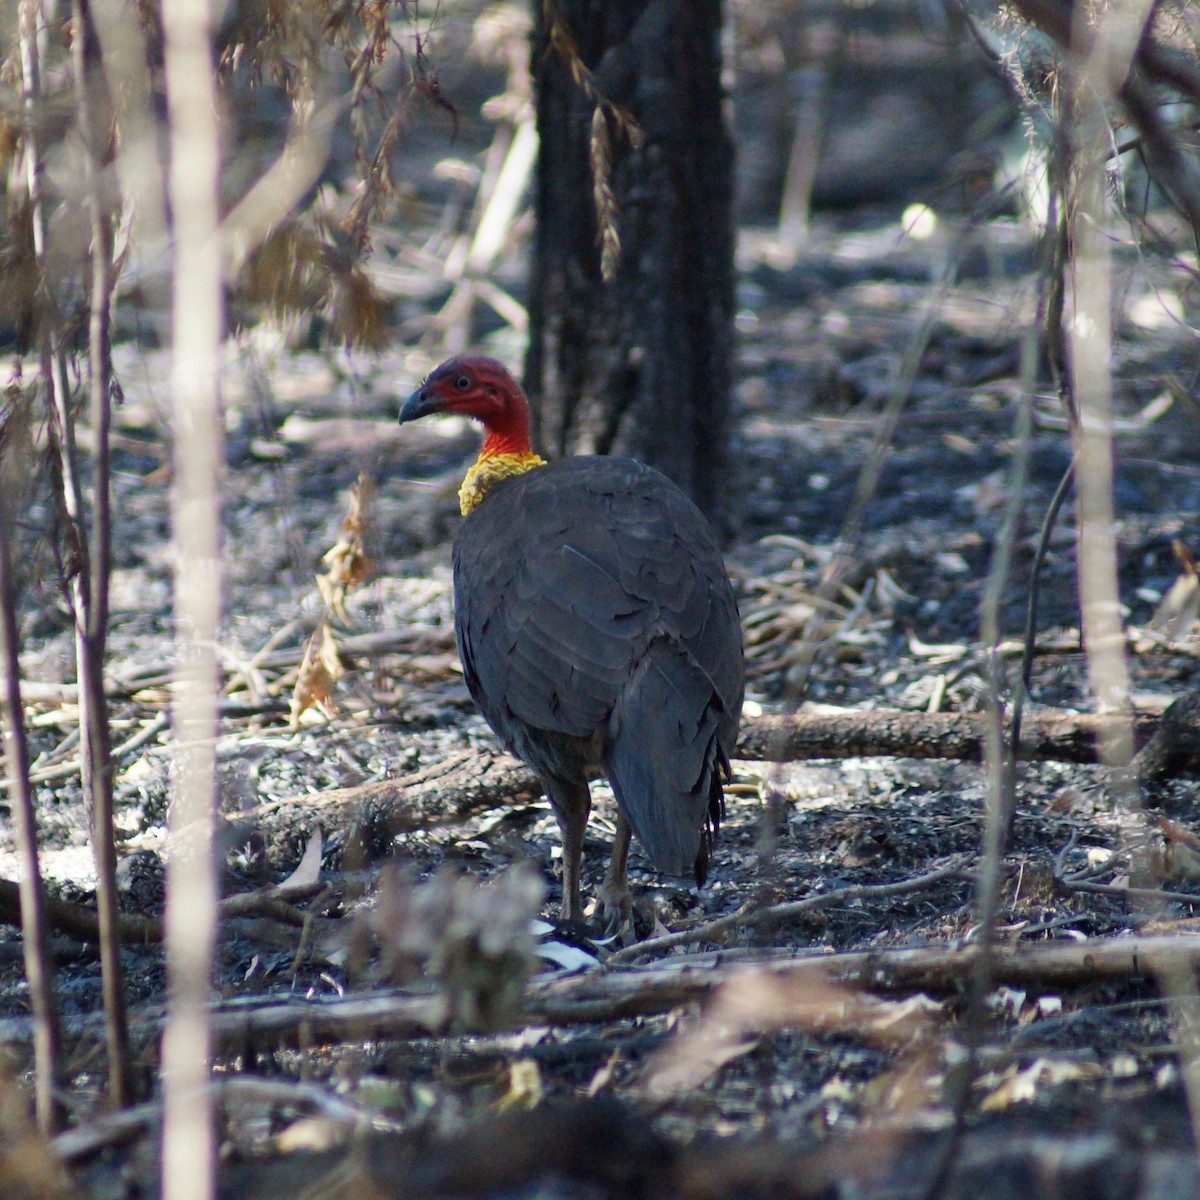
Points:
(463, 382)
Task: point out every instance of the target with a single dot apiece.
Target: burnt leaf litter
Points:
(769, 1085)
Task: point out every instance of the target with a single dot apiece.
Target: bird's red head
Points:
(479, 387)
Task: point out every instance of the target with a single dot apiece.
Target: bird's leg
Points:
(615, 900)
(572, 806)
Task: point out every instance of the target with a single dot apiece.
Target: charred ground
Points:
(1087, 1067)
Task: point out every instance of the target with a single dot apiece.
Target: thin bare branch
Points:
(1102, 58)
(39, 967)
(752, 915)
(92, 582)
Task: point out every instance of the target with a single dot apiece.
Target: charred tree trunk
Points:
(642, 364)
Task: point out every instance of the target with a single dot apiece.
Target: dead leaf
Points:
(756, 1001)
(321, 668)
(309, 868)
(937, 653)
(347, 562)
(1022, 1085)
(989, 494)
(1069, 799)
(524, 1086)
(910, 1086)
(314, 1134)
(604, 1077)
(700, 1059)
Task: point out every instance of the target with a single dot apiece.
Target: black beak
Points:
(420, 404)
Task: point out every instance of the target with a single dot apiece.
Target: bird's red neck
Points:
(507, 436)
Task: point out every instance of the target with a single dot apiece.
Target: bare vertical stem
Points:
(85, 587)
(29, 25)
(1046, 333)
(39, 967)
(1104, 75)
(999, 762)
(1178, 985)
(1098, 79)
(811, 108)
(999, 773)
(188, 1132)
(91, 621)
(95, 123)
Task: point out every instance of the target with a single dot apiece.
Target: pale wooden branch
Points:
(644, 991)
(114, 1129)
(605, 995)
(938, 970)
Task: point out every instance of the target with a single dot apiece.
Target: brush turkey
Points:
(598, 632)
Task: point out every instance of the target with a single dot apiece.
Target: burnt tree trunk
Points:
(640, 365)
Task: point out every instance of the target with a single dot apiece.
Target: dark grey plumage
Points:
(599, 633)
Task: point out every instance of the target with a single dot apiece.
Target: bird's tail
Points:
(665, 760)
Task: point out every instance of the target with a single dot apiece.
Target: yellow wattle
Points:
(490, 469)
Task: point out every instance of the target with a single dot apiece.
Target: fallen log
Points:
(1057, 736)
(370, 815)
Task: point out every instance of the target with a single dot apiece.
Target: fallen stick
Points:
(937, 970)
(1059, 736)
(81, 922)
(602, 995)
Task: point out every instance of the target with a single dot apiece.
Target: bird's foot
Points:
(615, 912)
